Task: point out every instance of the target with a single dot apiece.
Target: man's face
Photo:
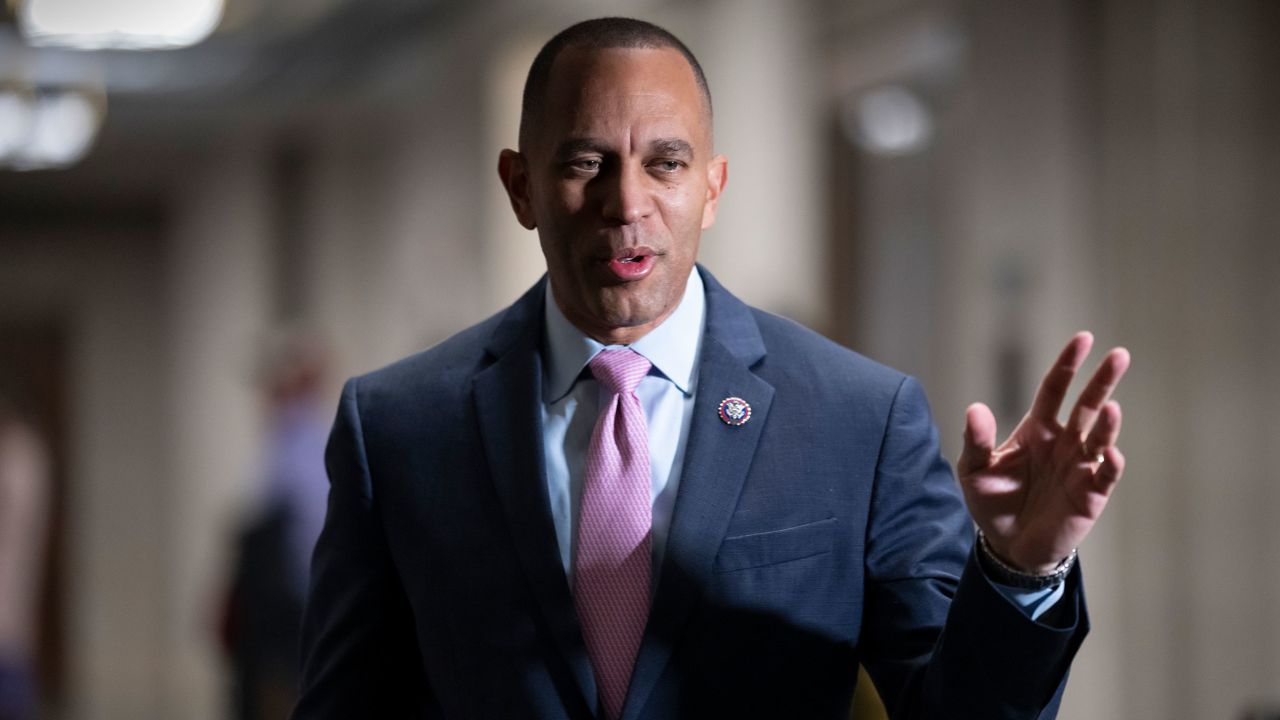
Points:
(619, 180)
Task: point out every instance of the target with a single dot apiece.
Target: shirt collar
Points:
(672, 347)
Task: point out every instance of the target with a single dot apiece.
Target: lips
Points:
(631, 264)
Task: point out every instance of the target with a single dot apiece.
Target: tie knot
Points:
(619, 370)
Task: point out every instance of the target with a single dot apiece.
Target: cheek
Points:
(558, 202)
(683, 211)
(568, 199)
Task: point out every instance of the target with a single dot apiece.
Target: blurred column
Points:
(767, 245)
(219, 304)
(1188, 208)
(894, 80)
(1146, 205)
(395, 226)
(1025, 271)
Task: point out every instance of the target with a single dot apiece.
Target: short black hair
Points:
(598, 34)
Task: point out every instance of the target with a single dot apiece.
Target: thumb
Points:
(979, 439)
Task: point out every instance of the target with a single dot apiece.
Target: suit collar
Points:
(731, 323)
(520, 323)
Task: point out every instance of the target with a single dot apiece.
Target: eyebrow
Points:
(577, 146)
(671, 147)
(661, 146)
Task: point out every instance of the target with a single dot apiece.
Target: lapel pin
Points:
(734, 411)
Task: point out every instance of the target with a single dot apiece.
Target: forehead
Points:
(593, 91)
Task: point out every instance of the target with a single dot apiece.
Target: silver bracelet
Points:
(1005, 574)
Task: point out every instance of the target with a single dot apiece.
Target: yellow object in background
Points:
(866, 701)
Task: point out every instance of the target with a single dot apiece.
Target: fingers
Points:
(979, 439)
(1109, 471)
(1053, 388)
(1105, 431)
(1097, 392)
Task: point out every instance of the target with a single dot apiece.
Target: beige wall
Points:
(1187, 209)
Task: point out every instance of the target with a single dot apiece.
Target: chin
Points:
(614, 312)
(619, 320)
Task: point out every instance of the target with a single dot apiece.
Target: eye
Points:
(667, 166)
(586, 165)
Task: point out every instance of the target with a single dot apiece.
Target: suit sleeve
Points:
(359, 648)
(939, 640)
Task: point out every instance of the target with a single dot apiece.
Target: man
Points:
(262, 609)
(24, 516)
(631, 496)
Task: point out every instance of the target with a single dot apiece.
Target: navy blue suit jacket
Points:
(824, 532)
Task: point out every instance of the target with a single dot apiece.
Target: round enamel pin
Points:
(734, 411)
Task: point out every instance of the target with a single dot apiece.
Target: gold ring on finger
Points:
(1093, 457)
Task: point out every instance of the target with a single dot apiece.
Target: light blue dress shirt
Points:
(667, 395)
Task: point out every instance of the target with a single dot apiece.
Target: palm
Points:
(1038, 494)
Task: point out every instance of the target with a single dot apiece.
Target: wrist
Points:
(1005, 572)
(1003, 552)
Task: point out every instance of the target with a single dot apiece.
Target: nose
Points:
(627, 199)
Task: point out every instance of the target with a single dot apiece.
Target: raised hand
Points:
(1038, 494)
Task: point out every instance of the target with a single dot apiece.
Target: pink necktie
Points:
(611, 569)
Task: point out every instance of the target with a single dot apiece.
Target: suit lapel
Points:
(717, 460)
(508, 397)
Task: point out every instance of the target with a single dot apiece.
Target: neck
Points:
(625, 335)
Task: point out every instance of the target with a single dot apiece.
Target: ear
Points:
(515, 178)
(717, 178)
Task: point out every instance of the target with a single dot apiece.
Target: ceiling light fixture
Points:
(889, 120)
(47, 129)
(118, 24)
(17, 114)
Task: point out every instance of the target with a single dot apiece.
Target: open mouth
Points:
(632, 264)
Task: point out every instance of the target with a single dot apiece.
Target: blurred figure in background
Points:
(263, 610)
(24, 472)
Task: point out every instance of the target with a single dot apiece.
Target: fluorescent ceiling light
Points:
(65, 125)
(118, 24)
(47, 129)
(17, 113)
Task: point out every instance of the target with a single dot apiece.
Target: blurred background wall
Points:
(949, 186)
